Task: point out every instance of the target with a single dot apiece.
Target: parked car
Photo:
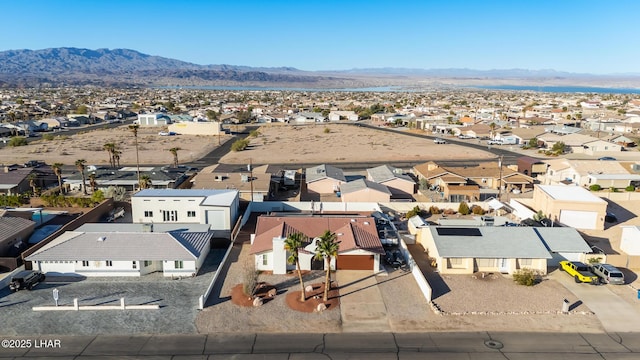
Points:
(608, 274)
(33, 163)
(580, 272)
(439, 141)
(607, 158)
(464, 137)
(26, 280)
(494, 142)
(167, 133)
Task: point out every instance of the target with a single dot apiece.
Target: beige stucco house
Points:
(399, 184)
(362, 190)
(570, 205)
(324, 179)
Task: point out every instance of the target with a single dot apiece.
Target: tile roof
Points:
(79, 246)
(355, 232)
(10, 226)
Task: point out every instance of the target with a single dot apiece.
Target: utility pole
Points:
(251, 178)
(500, 179)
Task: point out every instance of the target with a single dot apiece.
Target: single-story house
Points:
(340, 115)
(157, 119)
(401, 185)
(363, 190)
(360, 246)
(324, 179)
(563, 243)
(123, 253)
(256, 183)
(571, 206)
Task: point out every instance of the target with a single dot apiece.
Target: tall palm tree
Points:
(134, 128)
(80, 166)
(493, 127)
(174, 152)
(92, 182)
(327, 248)
(145, 182)
(32, 182)
(57, 169)
(116, 157)
(292, 244)
(110, 148)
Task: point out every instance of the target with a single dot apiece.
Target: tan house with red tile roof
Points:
(360, 246)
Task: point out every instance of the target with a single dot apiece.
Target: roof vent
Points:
(353, 220)
(102, 238)
(366, 223)
(339, 234)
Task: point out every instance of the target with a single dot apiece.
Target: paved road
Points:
(614, 313)
(478, 345)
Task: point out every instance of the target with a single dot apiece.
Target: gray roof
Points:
(139, 227)
(563, 239)
(80, 246)
(494, 242)
(10, 226)
(211, 197)
(324, 171)
(384, 173)
(361, 184)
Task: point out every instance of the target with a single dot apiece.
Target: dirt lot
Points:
(88, 145)
(343, 143)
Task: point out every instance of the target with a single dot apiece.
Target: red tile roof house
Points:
(360, 246)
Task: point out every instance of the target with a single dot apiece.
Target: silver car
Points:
(608, 274)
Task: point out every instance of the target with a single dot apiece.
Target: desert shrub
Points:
(48, 137)
(595, 187)
(254, 133)
(526, 277)
(239, 145)
(613, 189)
(433, 210)
(415, 211)
(249, 278)
(464, 208)
(630, 188)
(326, 130)
(477, 210)
(17, 141)
(116, 192)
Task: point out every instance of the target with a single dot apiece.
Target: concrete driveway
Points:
(615, 314)
(361, 305)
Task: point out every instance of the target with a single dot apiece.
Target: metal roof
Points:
(570, 193)
(384, 173)
(139, 227)
(79, 246)
(324, 171)
(361, 184)
(494, 242)
(563, 239)
(211, 197)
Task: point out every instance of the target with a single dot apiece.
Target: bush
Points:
(48, 137)
(17, 141)
(239, 145)
(413, 212)
(630, 188)
(595, 187)
(526, 277)
(249, 278)
(613, 189)
(477, 210)
(433, 210)
(464, 208)
(327, 130)
(254, 133)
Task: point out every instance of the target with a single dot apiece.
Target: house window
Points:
(191, 214)
(146, 263)
(85, 263)
(169, 215)
(178, 264)
(455, 263)
(134, 264)
(265, 260)
(526, 262)
(109, 263)
(486, 263)
(148, 213)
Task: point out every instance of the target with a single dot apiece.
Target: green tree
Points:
(33, 177)
(82, 109)
(292, 244)
(533, 142)
(492, 128)
(110, 148)
(57, 170)
(145, 182)
(212, 115)
(80, 165)
(558, 147)
(174, 152)
(464, 208)
(92, 182)
(327, 246)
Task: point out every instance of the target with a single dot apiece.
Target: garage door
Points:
(579, 219)
(355, 262)
(215, 218)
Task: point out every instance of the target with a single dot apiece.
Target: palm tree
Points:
(327, 248)
(493, 127)
(292, 244)
(134, 128)
(32, 182)
(57, 169)
(110, 148)
(92, 182)
(145, 182)
(174, 152)
(80, 166)
(116, 157)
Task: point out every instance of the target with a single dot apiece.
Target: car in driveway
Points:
(26, 280)
(608, 274)
(580, 272)
(439, 141)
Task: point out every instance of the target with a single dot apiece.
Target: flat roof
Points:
(570, 193)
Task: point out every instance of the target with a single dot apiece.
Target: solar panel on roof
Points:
(449, 231)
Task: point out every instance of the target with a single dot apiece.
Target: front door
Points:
(503, 266)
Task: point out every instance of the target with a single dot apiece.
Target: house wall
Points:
(601, 147)
(552, 208)
(366, 195)
(324, 186)
(156, 205)
(94, 268)
(196, 128)
(402, 186)
(169, 269)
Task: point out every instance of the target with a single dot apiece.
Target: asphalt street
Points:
(475, 345)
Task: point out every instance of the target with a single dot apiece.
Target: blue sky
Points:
(568, 35)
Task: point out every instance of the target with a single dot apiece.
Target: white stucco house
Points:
(175, 253)
(218, 208)
(158, 119)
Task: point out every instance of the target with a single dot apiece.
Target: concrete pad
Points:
(352, 356)
(290, 343)
(620, 356)
(449, 356)
(630, 340)
(414, 342)
(229, 343)
(362, 307)
(69, 345)
(360, 343)
(471, 342)
(543, 343)
(174, 344)
(116, 345)
(606, 343)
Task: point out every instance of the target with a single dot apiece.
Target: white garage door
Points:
(215, 218)
(579, 219)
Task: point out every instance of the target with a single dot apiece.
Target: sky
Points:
(597, 37)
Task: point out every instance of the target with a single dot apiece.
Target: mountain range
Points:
(124, 67)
